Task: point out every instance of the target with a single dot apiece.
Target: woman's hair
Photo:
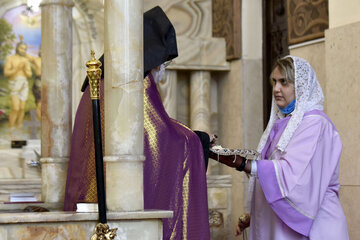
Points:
(286, 66)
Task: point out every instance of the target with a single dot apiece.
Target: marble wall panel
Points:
(342, 90)
(201, 53)
(349, 198)
(168, 92)
(136, 229)
(66, 225)
(200, 100)
(231, 129)
(220, 208)
(343, 13)
(315, 55)
(8, 186)
(183, 98)
(191, 18)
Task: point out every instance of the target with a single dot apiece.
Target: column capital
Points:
(65, 3)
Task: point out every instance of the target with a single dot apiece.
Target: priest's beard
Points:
(158, 74)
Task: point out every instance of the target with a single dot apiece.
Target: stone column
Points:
(56, 48)
(124, 105)
(168, 91)
(200, 100)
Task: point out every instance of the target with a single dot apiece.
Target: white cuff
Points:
(253, 168)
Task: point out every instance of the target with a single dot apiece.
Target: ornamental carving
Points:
(307, 19)
(215, 218)
(226, 20)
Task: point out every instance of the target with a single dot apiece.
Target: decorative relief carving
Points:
(215, 218)
(307, 19)
(191, 18)
(227, 24)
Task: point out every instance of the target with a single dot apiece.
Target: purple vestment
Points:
(174, 169)
(296, 191)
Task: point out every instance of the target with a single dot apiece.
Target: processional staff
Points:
(102, 230)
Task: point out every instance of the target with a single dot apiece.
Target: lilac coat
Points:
(296, 191)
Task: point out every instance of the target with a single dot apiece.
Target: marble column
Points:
(56, 49)
(124, 110)
(168, 91)
(200, 100)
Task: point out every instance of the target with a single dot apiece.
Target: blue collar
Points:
(289, 108)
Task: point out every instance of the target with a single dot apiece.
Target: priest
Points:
(176, 157)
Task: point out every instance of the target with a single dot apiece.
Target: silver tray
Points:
(246, 153)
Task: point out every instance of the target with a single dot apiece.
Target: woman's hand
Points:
(243, 223)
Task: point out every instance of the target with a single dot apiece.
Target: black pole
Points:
(99, 160)
(94, 75)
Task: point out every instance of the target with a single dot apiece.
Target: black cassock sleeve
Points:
(205, 142)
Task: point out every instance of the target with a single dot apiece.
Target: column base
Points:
(53, 175)
(124, 182)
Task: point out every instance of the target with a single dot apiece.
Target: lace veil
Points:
(309, 96)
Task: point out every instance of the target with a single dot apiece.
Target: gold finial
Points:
(92, 54)
(103, 232)
(94, 75)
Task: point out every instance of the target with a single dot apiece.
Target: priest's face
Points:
(283, 90)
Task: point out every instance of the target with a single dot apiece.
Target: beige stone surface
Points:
(56, 119)
(190, 18)
(9, 186)
(126, 229)
(168, 92)
(13, 216)
(200, 54)
(53, 176)
(315, 55)
(124, 184)
(200, 100)
(343, 12)
(230, 134)
(251, 102)
(56, 78)
(219, 200)
(124, 105)
(349, 198)
(124, 121)
(342, 91)
(10, 164)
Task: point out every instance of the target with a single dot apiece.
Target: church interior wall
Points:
(342, 51)
(342, 60)
(342, 13)
(230, 128)
(236, 104)
(315, 54)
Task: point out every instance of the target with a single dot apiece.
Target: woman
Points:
(294, 183)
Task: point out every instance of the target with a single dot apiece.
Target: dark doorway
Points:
(275, 45)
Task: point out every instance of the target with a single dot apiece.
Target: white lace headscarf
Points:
(309, 96)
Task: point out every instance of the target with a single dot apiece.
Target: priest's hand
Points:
(243, 223)
(229, 160)
(213, 139)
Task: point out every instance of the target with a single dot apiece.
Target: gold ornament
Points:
(94, 75)
(103, 232)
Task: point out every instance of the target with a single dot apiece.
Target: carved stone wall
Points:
(227, 24)
(307, 20)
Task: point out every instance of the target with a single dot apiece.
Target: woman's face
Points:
(283, 90)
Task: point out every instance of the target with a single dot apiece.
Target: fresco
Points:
(20, 72)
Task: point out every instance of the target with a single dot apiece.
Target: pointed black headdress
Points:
(159, 42)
